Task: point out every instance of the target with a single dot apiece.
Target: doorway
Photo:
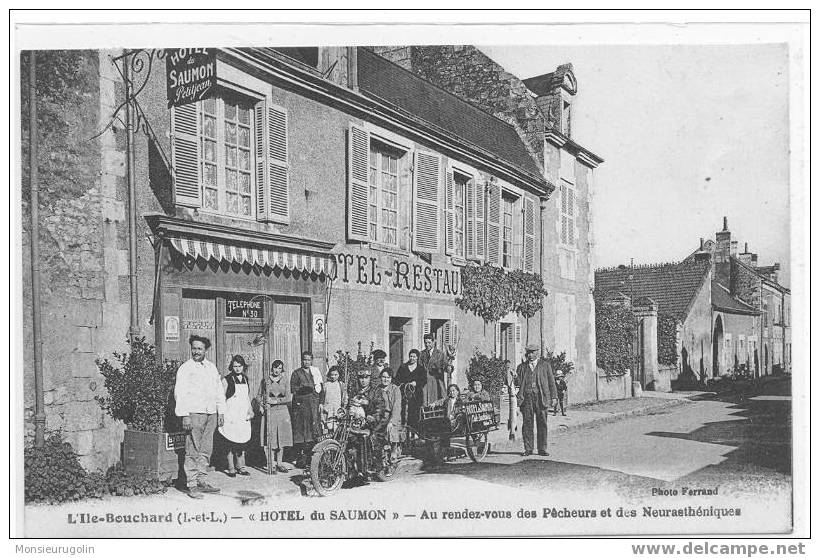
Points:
(397, 341)
(717, 344)
(506, 345)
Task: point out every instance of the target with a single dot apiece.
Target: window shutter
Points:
(448, 333)
(272, 171)
(278, 179)
(449, 212)
(426, 327)
(494, 224)
(358, 187)
(185, 155)
(497, 336)
(480, 250)
(425, 202)
(455, 334)
(518, 349)
(469, 221)
(529, 235)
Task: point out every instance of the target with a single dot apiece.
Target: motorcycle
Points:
(348, 453)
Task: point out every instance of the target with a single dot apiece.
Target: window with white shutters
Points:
(383, 195)
(426, 171)
(230, 156)
(529, 235)
(567, 214)
(455, 195)
(493, 216)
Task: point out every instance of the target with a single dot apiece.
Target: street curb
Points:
(613, 417)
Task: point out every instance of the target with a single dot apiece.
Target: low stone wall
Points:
(663, 381)
(614, 387)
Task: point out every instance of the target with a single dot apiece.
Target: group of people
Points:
(295, 406)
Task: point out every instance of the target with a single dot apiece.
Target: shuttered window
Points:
(427, 170)
(567, 214)
(455, 194)
(529, 235)
(230, 156)
(383, 195)
(493, 249)
(509, 258)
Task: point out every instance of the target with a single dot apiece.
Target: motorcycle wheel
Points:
(477, 446)
(326, 478)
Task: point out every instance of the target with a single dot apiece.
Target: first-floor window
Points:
(384, 193)
(227, 158)
(460, 184)
(507, 239)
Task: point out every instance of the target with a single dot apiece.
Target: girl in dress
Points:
(238, 413)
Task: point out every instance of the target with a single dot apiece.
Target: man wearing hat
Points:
(536, 394)
(379, 364)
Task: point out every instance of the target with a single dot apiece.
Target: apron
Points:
(237, 427)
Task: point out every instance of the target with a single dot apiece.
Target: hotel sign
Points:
(397, 274)
(190, 75)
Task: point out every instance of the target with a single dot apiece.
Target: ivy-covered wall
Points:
(668, 339)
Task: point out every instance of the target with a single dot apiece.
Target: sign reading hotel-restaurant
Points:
(398, 274)
(239, 306)
(190, 75)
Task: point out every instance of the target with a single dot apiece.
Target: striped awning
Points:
(318, 264)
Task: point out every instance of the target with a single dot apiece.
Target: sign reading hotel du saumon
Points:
(190, 75)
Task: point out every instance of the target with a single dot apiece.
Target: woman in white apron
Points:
(238, 414)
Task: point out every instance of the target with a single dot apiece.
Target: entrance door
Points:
(506, 347)
(286, 335)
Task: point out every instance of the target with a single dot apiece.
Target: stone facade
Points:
(84, 233)
(568, 270)
(82, 211)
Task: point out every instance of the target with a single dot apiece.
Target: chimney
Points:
(701, 244)
(747, 257)
(339, 65)
(723, 243)
(733, 248)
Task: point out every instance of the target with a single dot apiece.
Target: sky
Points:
(689, 134)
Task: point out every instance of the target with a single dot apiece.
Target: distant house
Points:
(730, 314)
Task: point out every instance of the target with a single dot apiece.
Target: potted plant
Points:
(140, 393)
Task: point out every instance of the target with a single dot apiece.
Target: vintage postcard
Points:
(410, 281)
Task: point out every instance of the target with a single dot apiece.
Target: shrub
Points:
(139, 387)
(560, 362)
(119, 482)
(491, 370)
(53, 474)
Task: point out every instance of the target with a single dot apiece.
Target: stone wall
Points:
(84, 311)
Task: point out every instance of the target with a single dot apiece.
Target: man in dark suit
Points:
(536, 394)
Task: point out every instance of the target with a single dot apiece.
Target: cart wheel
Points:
(477, 446)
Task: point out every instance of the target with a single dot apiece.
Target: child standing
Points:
(561, 386)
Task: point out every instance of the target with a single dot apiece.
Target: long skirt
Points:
(306, 425)
(280, 431)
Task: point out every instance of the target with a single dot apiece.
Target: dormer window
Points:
(566, 117)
